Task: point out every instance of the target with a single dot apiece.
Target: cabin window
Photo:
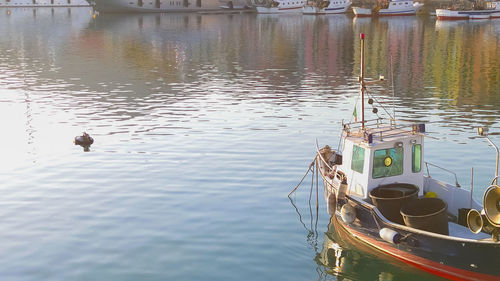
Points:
(416, 152)
(387, 162)
(358, 159)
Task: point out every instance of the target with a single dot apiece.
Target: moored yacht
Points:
(159, 6)
(327, 7)
(43, 3)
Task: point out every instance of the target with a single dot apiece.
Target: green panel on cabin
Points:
(358, 159)
(416, 152)
(387, 162)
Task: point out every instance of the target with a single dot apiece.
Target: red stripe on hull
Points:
(452, 18)
(430, 266)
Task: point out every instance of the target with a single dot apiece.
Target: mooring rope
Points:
(307, 172)
(313, 229)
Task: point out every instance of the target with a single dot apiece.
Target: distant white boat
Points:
(159, 6)
(401, 8)
(281, 7)
(390, 8)
(327, 7)
(492, 11)
(43, 3)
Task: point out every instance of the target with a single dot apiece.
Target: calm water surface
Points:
(202, 125)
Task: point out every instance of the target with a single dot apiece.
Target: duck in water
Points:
(85, 140)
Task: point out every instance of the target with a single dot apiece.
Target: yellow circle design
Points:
(388, 161)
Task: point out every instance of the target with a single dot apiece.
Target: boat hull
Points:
(124, 6)
(479, 17)
(279, 10)
(441, 255)
(446, 14)
(361, 12)
(331, 9)
(436, 256)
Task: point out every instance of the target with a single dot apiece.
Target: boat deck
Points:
(457, 230)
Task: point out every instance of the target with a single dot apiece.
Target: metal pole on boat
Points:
(498, 156)
(362, 80)
(482, 131)
(471, 185)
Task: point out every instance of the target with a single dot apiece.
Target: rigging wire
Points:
(374, 99)
(312, 236)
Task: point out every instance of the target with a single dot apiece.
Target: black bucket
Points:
(462, 216)
(390, 198)
(428, 214)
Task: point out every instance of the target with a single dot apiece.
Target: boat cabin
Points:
(382, 155)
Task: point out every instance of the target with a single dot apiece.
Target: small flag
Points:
(355, 115)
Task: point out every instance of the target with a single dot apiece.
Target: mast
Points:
(362, 80)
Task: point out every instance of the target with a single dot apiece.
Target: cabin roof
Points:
(373, 136)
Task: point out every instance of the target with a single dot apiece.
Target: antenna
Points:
(362, 80)
(393, 95)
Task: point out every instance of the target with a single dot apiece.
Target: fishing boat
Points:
(378, 196)
(326, 7)
(281, 7)
(489, 10)
(43, 3)
(154, 6)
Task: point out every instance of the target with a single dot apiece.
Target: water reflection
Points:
(118, 67)
(344, 257)
(428, 62)
(466, 70)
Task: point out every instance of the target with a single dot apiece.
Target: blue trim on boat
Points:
(397, 12)
(333, 9)
(476, 13)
